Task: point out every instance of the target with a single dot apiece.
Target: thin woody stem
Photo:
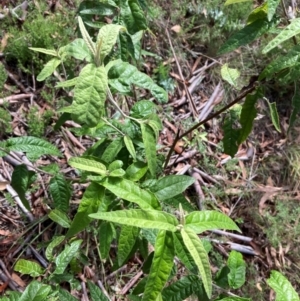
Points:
(178, 137)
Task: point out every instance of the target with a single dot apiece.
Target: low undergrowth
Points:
(130, 209)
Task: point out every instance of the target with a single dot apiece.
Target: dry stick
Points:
(206, 176)
(39, 257)
(123, 268)
(18, 200)
(239, 98)
(217, 94)
(19, 84)
(184, 156)
(237, 247)
(84, 291)
(100, 284)
(196, 81)
(14, 98)
(193, 107)
(131, 283)
(10, 282)
(237, 236)
(74, 139)
(198, 189)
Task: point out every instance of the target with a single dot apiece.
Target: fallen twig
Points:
(192, 104)
(131, 283)
(103, 289)
(14, 98)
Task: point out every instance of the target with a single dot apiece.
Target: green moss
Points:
(3, 76)
(5, 122)
(36, 122)
(51, 32)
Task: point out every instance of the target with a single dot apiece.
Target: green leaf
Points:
(130, 147)
(200, 221)
(68, 83)
(106, 236)
(152, 219)
(79, 50)
(117, 173)
(54, 243)
(156, 127)
(20, 182)
(112, 150)
(182, 289)
(35, 291)
(136, 171)
(196, 249)
(235, 299)
(96, 293)
(228, 2)
(60, 218)
(126, 242)
(230, 75)
(291, 30)
(282, 62)
(161, 266)
(90, 44)
(48, 69)
(272, 6)
(295, 105)
(126, 47)
(274, 115)
(246, 35)
(150, 147)
(117, 164)
(248, 115)
(107, 38)
(183, 253)
(89, 203)
(122, 75)
(132, 15)
(34, 147)
(138, 14)
(231, 135)
(260, 12)
(28, 267)
(97, 8)
(89, 95)
(45, 51)
(64, 258)
(170, 186)
(60, 191)
(88, 165)
(282, 287)
(63, 295)
(180, 199)
(237, 266)
(131, 192)
(142, 109)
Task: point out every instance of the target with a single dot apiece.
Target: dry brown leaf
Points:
(3, 185)
(18, 280)
(262, 203)
(233, 191)
(5, 233)
(179, 147)
(3, 286)
(4, 41)
(258, 286)
(176, 28)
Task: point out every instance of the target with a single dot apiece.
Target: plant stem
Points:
(245, 92)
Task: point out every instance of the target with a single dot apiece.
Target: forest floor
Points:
(259, 188)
